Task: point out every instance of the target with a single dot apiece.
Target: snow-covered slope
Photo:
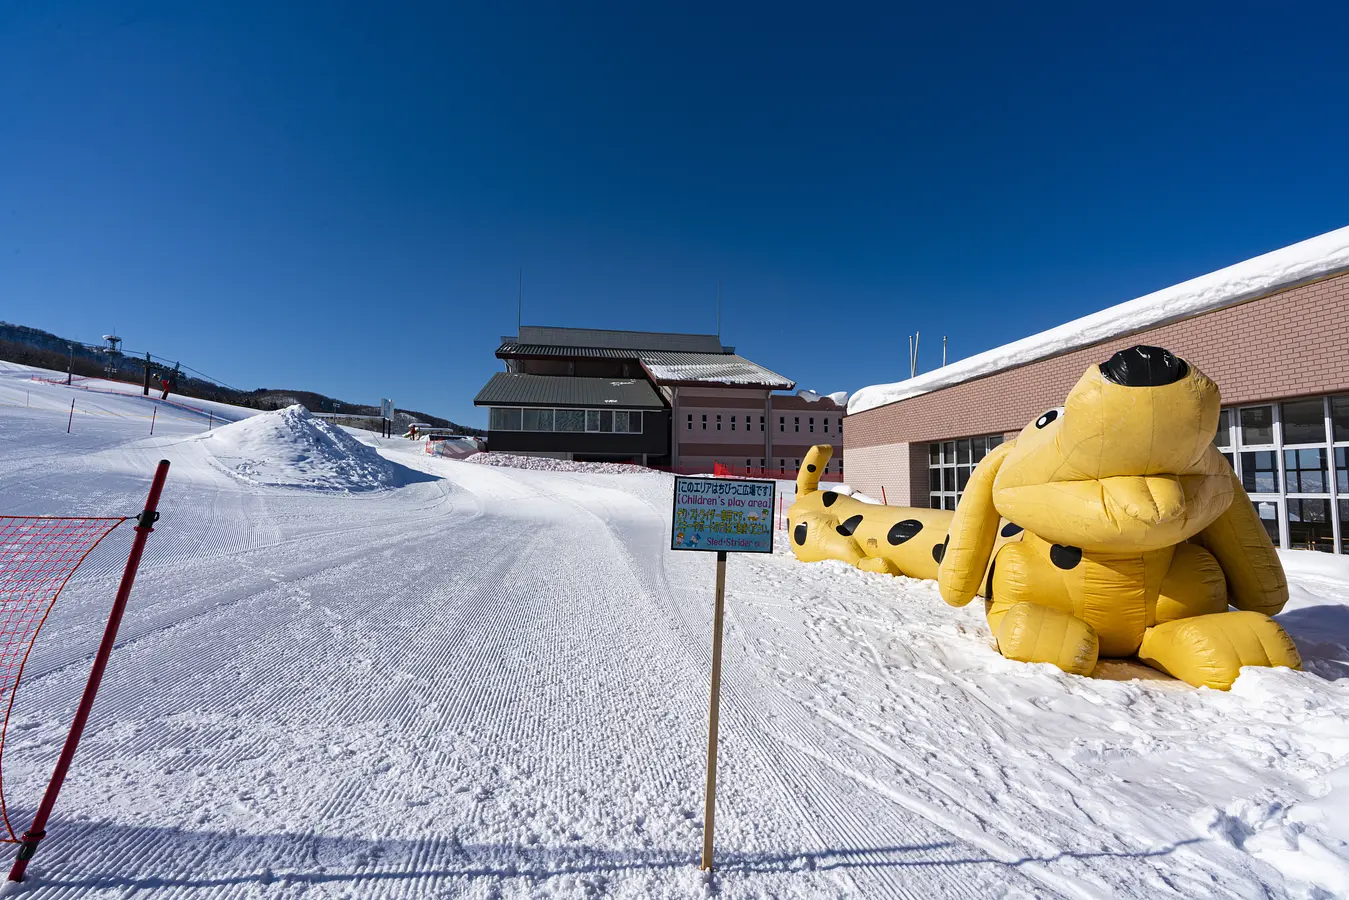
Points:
(1316, 257)
(492, 682)
(291, 448)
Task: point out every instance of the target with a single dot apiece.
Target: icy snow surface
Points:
(1313, 258)
(492, 683)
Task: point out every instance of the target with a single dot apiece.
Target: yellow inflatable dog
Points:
(1108, 527)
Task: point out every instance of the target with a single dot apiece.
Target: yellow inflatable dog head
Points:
(1127, 464)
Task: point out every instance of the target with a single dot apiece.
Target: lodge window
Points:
(690, 428)
(1293, 459)
(761, 423)
(826, 426)
(609, 421)
(718, 421)
(797, 421)
(812, 424)
(782, 423)
(733, 428)
(950, 464)
(704, 421)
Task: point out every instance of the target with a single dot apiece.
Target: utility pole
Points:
(718, 309)
(943, 351)
(70, 367)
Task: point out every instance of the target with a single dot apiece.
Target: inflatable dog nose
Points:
(1144, 367)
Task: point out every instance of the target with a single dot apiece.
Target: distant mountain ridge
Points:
(35, 347)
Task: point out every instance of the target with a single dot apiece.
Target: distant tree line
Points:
(41, 349)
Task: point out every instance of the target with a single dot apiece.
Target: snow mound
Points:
(291, 448)
(1317, 257)
(544, 464)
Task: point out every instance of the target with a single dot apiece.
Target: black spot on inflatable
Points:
(1047, 418)
(1011, 529)
(829, 498)
(849, 526)
(799, 534)
(1144, 366)
(1065, 557)
(810, 467)
(902, 531)
(940, 550)
(988, 591)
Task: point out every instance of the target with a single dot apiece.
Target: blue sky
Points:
(339, 199)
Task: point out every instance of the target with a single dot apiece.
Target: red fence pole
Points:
(883, 498)
(72, 415)
(34, 835)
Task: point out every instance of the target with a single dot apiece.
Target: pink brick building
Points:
(1279, 353)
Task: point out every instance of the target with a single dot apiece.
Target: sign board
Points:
(385, 409)
(726, 515)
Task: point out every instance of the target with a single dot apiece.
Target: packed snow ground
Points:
(492, 682)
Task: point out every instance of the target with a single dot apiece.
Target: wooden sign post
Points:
(725, 516)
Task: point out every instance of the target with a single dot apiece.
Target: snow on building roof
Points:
(711, 368)
(1309, 260)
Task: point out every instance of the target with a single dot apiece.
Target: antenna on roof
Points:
(913, 353)
(943, 351)
(718, 309)
(520, 302)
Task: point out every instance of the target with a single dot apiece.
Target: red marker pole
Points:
(71, 420)
(883, 497)
(34, 835)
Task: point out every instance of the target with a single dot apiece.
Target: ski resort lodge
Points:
(681, 401)
(1273, 332)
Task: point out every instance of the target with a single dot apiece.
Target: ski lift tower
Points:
(112, 345)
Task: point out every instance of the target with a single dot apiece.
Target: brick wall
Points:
(894, 472)
(1288, 344)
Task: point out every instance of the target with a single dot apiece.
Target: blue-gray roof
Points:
(604, 339)
(511, 389)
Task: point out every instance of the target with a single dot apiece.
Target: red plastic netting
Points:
(38, 554)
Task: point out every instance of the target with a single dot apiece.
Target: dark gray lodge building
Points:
(609, 396)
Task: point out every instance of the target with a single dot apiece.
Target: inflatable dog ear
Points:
(974, 530)
(1255, 577)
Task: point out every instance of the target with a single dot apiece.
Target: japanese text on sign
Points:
(717, 514)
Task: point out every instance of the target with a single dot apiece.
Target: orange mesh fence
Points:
(38, 554)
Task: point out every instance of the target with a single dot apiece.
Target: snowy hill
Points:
(484, 682)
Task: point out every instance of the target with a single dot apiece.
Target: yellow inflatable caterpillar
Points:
(1109, 527)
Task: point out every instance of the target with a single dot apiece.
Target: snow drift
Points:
(1317, 257)
(291, 448)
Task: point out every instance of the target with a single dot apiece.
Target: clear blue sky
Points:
(337, 196)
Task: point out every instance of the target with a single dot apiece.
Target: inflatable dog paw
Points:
(1110, 527)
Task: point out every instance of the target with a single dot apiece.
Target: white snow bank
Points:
(544, 464)
(291, 448)
(839, 397)
(847, 491)
(1313, 258)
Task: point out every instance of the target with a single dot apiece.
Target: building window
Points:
(949, 466)
(797, 421)
(782, 465)
(796, 465)
(1293, 459)
(747, 464)
(718, 421)
(826, 425)
(761, 423)
(690, 428)
(573, 421)
(733, 423)
(782, 423)
(762, 463)
(570, 420)
(505, 419)
(704, 421)
(812, 424)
